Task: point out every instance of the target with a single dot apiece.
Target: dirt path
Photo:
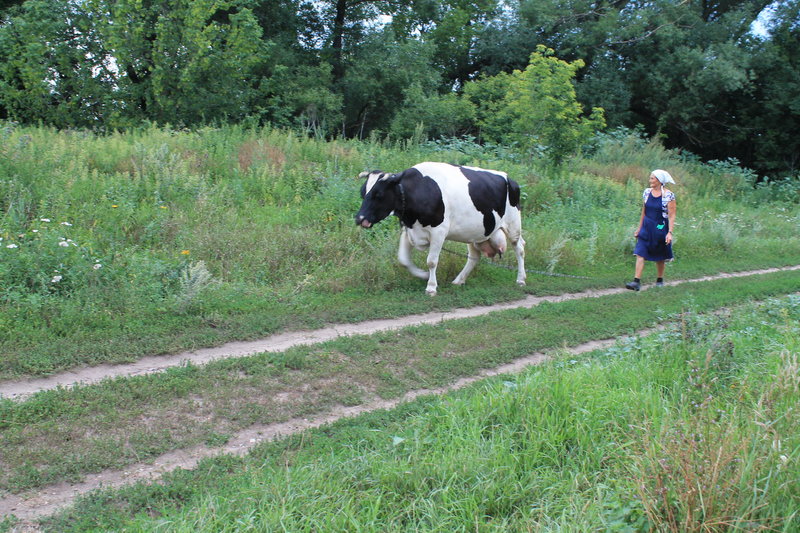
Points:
(45, 501)
(36, 504)
(19, 390)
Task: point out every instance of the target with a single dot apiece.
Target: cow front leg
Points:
(433, 262)
(404, 256)
(473, 256)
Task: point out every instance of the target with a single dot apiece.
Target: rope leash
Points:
(528, 270)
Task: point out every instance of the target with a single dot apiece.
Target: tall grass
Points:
(99, 231)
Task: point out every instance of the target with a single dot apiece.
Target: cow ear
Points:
(393, 178)
(363, 175)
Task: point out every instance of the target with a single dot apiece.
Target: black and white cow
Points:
(437, 202)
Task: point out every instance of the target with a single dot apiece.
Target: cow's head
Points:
(380, 197)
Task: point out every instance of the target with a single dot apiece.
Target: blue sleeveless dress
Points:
(652, 236)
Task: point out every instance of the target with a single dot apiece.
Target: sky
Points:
(759, 26)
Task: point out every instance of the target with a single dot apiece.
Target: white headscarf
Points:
(663, 176)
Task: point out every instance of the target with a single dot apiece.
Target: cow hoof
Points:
(521, 283)
(458, 282)
(430, 292)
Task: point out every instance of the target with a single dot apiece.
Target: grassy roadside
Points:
(229, 314)
(691, 429)
(154, 241)
(44, 439)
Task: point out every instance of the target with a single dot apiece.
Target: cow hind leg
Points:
(404, 256)
(514, 233)
(473, 256)
(519, 250)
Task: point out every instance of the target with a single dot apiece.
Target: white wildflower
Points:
(66, 224)
(96, 266)
(63, 244)
(45, 219)
(12, 245)
(35, 231)
(56, 279)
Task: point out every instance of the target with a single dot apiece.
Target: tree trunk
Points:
(338, 38)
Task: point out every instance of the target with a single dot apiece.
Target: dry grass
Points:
(700, 473)
(261, 153)
(618, 173)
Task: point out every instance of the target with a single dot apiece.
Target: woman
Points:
(654, 236)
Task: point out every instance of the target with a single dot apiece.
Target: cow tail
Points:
(514, 193)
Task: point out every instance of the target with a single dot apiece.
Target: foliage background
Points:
(693, 73)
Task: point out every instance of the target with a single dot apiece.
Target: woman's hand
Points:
(636, 234)
(669, 237)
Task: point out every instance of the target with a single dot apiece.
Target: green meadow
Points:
(155, 240)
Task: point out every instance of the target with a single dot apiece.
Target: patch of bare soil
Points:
(29, 506)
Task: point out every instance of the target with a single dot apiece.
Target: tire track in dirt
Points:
(31, 505)
(22, 389)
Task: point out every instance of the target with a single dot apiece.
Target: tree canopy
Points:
(523, 71)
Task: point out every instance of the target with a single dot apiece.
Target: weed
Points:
(554, 252)
(194, 278)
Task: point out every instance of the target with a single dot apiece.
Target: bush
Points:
(439, 115)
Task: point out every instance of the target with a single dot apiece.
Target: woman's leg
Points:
(640, 266)
(660, 268)
(635, 285)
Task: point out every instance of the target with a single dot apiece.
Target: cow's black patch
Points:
(412, 196)
(423, 201)
(488, 192)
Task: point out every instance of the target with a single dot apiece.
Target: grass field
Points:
(693, 428)
(154, 241)
(44, 440)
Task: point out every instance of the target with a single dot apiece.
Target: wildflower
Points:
(63, 244)
(66, 224)
(184, 252)
(45, 219)
(56, 279)
(12, 245)
(114, 206)
(35, 231)
(96, 266)
(162, 206)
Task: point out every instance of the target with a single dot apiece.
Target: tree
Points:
(772, 114)
(375, 84)
(539, 110)
(178, 60)
(54, 68)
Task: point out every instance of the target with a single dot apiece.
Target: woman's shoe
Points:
(633, 285)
